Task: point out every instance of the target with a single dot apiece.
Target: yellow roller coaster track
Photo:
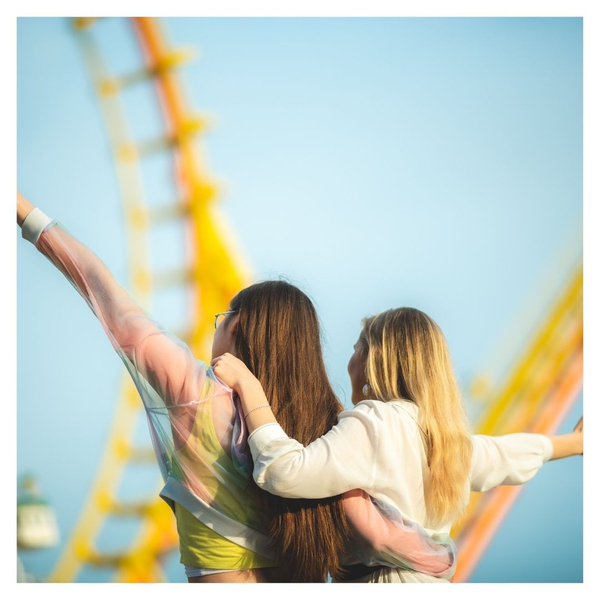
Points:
(213, 273)
(535, 397)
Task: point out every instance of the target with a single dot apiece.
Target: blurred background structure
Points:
(435, 163)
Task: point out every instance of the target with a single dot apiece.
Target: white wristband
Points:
(33, 225)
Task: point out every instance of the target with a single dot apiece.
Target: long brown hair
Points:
(278, 338)
(408, 358)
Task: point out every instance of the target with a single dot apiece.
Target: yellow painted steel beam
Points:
(173, 60)
(539, 422)
(498, 410)
(197, 190)
(572, 345)
(494, 506)
(219, 271)
(81, 23)
(118, 453)
(107, 477)
(155, 539)
(173, 278)
(536, 396)
(553, 405)
(167, 213)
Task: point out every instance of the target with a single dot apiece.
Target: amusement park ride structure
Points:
(210, 277)
(535, 396)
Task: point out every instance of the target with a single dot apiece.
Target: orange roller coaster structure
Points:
(211, 276)
(536, 396)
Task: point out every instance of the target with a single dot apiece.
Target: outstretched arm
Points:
(515, 458)
(163, 368)
(166, 364)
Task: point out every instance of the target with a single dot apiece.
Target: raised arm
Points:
(166, 363)
(24, 207)
(165, 372)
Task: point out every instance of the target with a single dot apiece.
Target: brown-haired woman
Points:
(229, 529)
(406, 442)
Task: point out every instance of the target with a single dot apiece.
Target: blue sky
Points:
(379, 162)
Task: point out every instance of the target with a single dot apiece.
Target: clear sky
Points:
(378, 162)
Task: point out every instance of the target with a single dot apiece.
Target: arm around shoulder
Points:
(343, 459)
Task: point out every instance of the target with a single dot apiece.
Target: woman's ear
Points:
(234, 325)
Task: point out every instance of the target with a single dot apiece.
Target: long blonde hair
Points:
(408, 358)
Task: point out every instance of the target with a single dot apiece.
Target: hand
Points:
(232, 371)
(578, 435)
(238, 377)
(568, 444)
(24, 207)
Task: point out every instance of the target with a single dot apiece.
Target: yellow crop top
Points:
(231, 491)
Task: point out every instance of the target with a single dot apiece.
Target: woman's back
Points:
(401, 473)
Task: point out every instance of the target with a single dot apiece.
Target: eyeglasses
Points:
(222, 314)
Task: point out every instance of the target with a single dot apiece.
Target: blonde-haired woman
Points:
(407, 441)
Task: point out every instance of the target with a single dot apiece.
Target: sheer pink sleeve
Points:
(386, 538)
(177, 389)
(163, 361)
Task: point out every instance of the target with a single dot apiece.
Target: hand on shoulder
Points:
(232, 371)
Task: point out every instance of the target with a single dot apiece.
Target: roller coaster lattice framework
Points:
(211, 265)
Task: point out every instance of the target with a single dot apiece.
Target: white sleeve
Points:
(343, 459)
(507, 460)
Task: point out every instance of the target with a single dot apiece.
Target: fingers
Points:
(227, 359)
(227, 369)
(579, 426)
(214, 361)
